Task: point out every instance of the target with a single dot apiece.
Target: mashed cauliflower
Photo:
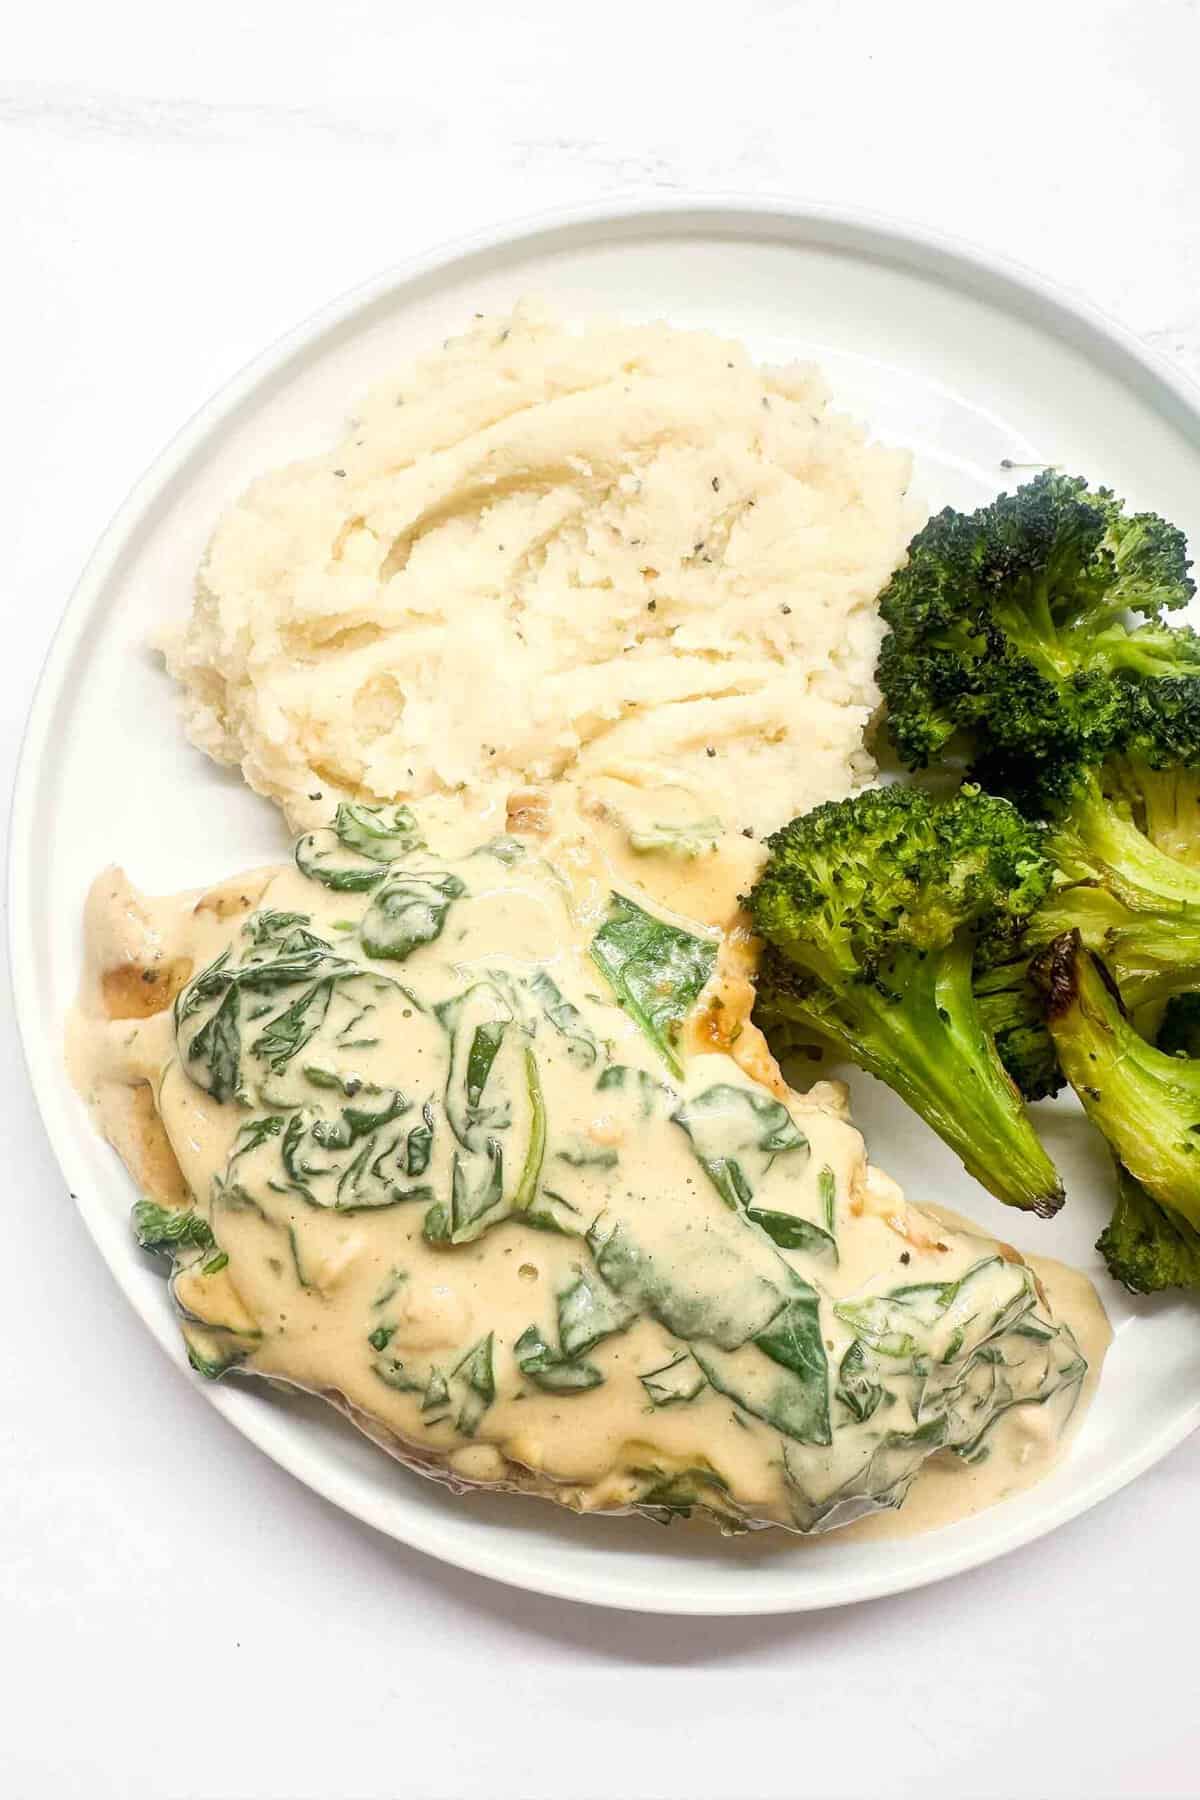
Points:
(625, 554)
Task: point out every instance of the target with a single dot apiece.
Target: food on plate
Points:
(440, 1123)
(1009, 623)
(625, 553)
(1146, 1101)
(874, 909)
(465, 1118)
(1029, 637)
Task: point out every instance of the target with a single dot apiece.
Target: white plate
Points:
(939, 348)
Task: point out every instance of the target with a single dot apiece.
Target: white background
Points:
(177, 1616)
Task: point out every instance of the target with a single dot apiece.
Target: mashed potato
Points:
(626, 554)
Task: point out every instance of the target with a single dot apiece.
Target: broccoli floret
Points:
(1145, 1246)
(874, 907)
(1009, 623)
(1158, 766)
(1146, 1102)
(1115, 833)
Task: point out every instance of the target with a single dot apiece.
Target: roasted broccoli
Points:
(873, 908)
(1147, 1104)
(1132, 900)
(1009, 624)
(1010, 1010)
(1145, 1245)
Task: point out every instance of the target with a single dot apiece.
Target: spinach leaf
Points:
(291, 1029)
(923, 1319)
(419, 1144)
(676, 1493)
(476, 1190)
(587, 1312)
(742, 1329)
(720, 1297)
(342, 1164)
(476, 1022)
(547, 1369)
(475, 1377)
(408, 912)
(737, 1134)
(253, 1133)
(170, 1228)
(217, 1048)
(651, 1093)
(827, 1192)
(857, 1389)
(567, 1020)
(791, 1232)
(352, 855)
(655, 970)
(213, 1350)
(535, 1152)
(381, 833)
(210, 1009)
(675, 1383)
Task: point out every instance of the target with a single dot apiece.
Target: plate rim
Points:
(866, 231)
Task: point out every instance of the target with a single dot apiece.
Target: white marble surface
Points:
(177, 1616)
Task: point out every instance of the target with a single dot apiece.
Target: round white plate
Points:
(938, 348)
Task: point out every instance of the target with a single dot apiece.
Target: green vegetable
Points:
(676, 1494)
(566, 1019)
(344, 1164)
(527, 1186)
(1010, 624)
(418, 1145)
(209, 1010)
(548, 1369)
(170, 1228)
(1147, 1104)
(409, 912)
(587, 1312)
(381, 833)
(351, 856)
(827, 1189)
(1146, 1246)
(651, 1094)
(738, 1134)
(675, 1383)
(475, 1385)
(212, 1352)
(1011, 632)
(858, 1391)
(742, 1328)
(873, 908)
(655, 970)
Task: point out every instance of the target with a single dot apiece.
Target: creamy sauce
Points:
(480, 1143)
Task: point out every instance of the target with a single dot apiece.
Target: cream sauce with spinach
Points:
(456, 1159)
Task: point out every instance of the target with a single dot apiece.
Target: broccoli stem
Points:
(926, 1040)
(1097, 840)
(1170, 804)
(1145, 1102)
